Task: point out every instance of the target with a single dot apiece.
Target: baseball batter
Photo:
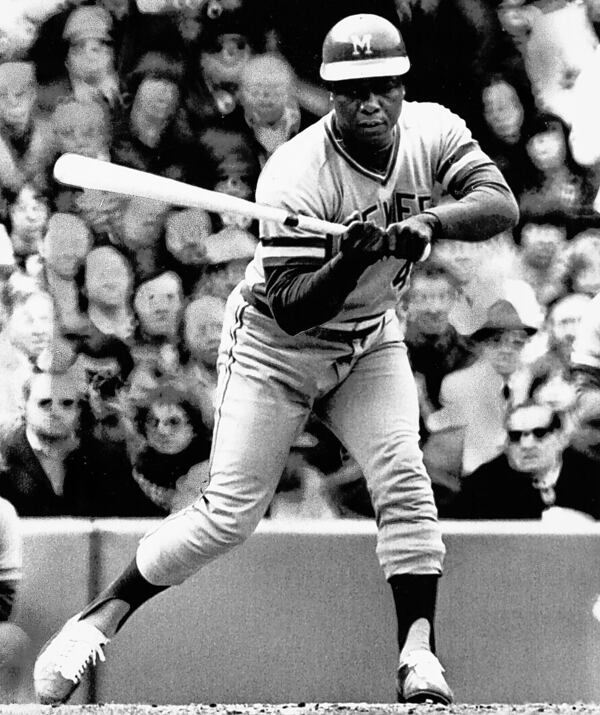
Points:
(312, 328)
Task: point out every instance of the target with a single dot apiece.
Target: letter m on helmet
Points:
(361, 45)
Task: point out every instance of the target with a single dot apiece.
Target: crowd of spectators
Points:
(112, 306)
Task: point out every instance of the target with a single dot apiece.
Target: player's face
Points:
(168, 428)
(367, 110)
(90, 60)
(532, 446)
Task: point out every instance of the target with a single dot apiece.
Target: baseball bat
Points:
(86, 173)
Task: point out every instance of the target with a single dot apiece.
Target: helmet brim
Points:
(364, 69)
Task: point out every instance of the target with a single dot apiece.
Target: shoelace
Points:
(81, 649)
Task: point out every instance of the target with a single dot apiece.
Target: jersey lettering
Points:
(361, 45)
(401, 206)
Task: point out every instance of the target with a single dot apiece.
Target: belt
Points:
(340, 335)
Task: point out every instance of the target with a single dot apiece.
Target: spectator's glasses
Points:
(516, 435)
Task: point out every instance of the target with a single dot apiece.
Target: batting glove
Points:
(365, 242)
(411, 239)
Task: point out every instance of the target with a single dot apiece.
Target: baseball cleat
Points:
(421, 679)
(64, 659)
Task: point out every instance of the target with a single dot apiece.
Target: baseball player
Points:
(313, 327)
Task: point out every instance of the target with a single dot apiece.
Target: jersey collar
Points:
(381, 177)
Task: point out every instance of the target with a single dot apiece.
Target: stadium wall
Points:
(301, 613)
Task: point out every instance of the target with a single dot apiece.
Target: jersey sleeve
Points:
(295, 186)
(459, 153)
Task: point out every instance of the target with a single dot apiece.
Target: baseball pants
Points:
(269, 382)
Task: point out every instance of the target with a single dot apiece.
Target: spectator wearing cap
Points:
(537, 475)
(24, 135)
(90, 56)
(469, 428)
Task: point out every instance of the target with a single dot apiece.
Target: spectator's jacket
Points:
(497, 491)
(98, 482)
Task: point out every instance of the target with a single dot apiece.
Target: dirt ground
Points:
(306, 709)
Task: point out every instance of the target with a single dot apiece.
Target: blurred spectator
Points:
(108, 288)
(554, 182)
(581, 263)
(81, 127)
(268, 97)
(536, 472)
(53, 469)
(27, 333)
(28, 213)
(232, 167)
(103, 366)
(23, 135)
(228, 252)
(66, 244)
(202, 324)
(169, 445)
(585, 360)
(14, 642)
(469, 43)
(224, 46)
(556, 40)
(185, 231)
(563, 318)
(150, 136)
(469, 428)
(435, 347)
(503, 115)
(90, 60)
(141, 233)
(543, 241)
(158, 305)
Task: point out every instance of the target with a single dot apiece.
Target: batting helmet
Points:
(362, 46)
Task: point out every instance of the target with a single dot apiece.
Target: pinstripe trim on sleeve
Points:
(295, 251)
(467, 155)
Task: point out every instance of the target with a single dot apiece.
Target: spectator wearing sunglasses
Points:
(537, 476)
